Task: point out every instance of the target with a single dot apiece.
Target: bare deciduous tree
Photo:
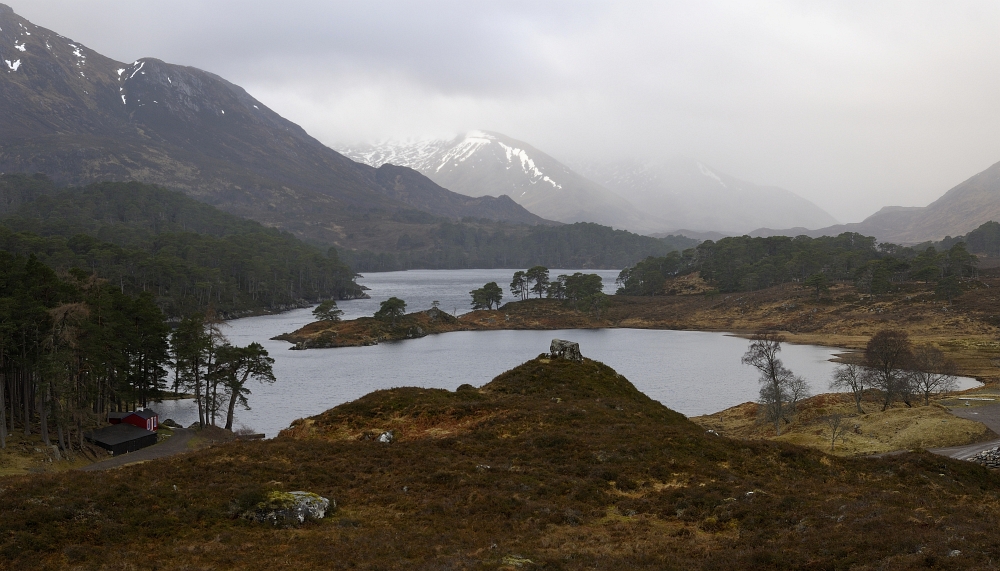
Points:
(932, 372)
(853, 378)
(838, 428)
(888, 354)
(778, 384)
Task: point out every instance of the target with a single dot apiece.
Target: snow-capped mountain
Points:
(688, 194)
(484, 163)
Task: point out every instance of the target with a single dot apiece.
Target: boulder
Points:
(290, 508)
(560, 349)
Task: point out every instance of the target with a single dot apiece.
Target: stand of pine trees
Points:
(72, 349)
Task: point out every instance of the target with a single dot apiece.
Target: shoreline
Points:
(842, 324)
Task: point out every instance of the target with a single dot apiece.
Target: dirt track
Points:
(988, 415)
(176, 444)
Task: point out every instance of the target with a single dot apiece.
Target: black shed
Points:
(121, 438)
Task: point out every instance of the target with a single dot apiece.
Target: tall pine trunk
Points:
(43, 416)
(10, 383)
(3, 409)
(26, 397)
(197, 398)
(232, 407)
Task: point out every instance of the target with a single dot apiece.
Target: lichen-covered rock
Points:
(560, 349)
(290, 508)
(387, 437)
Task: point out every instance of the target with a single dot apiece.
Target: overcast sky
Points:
(853, 105)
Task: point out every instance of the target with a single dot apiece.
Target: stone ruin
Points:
(560, 349)
(988, 458)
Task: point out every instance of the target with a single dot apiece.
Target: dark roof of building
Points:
(117, 433)
(147, 413)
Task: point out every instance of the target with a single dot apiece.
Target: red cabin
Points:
(146, 419)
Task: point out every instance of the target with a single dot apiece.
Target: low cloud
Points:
(853, 105)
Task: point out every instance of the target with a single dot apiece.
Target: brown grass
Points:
(874, 432)
(553, 465)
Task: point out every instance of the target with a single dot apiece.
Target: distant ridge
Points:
(694, 234)
(959, 211)
(689, 194)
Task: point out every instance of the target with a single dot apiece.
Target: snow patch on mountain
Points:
(12, 65)
(459, 153)
(708, 172)
(527, 165)
(438, 155)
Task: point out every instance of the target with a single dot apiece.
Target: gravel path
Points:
(987, 414)
(176, 444)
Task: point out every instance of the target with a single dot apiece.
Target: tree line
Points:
(584, 291)
(187, 255)
(746, 264)
(458, 245)
(74, 347)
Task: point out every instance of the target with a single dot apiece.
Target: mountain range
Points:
(483, 163)
(79, 117)
(649, 197)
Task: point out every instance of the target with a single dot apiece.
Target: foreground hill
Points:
(959, 211)
(552, 465)
(80, 117)
(484, 163)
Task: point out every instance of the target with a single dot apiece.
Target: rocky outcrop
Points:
(284, 508)
(560, 349)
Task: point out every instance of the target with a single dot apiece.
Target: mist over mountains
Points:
(648, 197)
(687, 194)
(484, 163)
(959, 211)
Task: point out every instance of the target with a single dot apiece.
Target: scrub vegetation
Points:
(552, 465)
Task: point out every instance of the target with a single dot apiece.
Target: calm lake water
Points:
(691, 372)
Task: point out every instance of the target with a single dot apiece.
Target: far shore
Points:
(843, 319)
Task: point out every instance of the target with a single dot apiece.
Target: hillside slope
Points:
(552, 465)
(188, 255)
(79, 117)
